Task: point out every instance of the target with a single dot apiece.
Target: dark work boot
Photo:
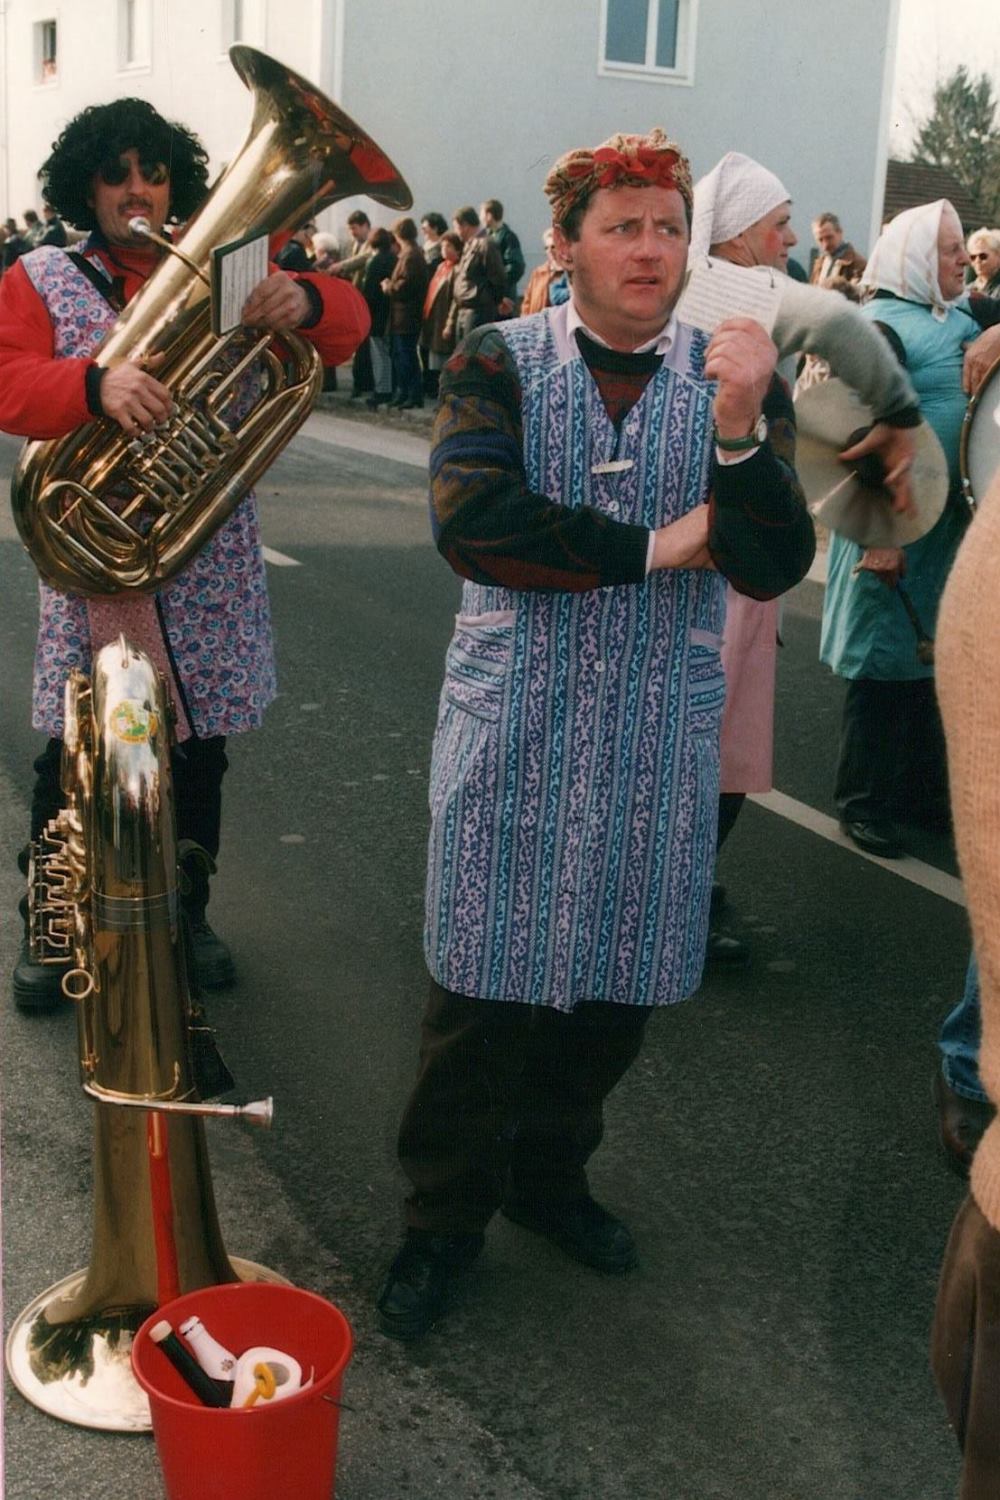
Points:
(37, 987)
(413, 1295)
(211, 960)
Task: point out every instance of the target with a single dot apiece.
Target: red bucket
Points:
(285, 1447)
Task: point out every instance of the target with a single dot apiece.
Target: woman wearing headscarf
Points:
(892, 751)
(742, 213)
(984, 253)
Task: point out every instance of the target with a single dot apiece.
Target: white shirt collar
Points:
(660, 344)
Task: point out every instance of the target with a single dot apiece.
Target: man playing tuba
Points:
(209, 629)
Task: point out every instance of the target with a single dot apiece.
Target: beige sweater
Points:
(967, 658)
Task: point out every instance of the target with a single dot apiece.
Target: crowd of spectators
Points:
(16, 239)
(426, 286)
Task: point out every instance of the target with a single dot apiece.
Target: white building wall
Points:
(188, 75)
(480, 100)
(475, 99)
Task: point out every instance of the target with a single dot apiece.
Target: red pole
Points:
(168, 1281)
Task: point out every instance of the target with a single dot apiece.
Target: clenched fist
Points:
(741, 358)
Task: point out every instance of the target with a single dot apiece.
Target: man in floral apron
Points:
(209, 630)
(598, 471)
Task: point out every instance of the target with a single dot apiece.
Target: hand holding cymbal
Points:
(855, 497)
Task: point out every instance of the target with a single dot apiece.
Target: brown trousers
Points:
(965, 1348)
(508, 1104)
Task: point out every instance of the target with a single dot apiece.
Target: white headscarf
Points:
(905, 258)
(735, 194)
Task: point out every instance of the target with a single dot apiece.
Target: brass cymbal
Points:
(851, 501)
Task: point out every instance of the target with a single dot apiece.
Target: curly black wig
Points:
(106, 130)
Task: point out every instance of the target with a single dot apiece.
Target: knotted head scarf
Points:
(622, 161)
(905, 258)
(733, 195)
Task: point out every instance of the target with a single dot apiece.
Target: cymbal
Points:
(852, 502)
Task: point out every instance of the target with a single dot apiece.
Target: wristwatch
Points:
(753, 439)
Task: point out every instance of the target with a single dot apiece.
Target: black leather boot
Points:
(211, 960)
(413, 1295)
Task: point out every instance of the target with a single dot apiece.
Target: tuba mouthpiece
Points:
(140, 227)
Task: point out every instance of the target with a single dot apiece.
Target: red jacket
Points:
(42, 396)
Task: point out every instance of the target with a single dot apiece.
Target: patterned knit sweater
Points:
(491, 528)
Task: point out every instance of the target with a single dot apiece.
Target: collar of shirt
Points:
(661, 344)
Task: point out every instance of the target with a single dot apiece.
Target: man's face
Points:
(486, 217)
(985, 262)
(359, 232)
(464, 231)
(827, 238)
(143, 189)
(952, 257)
(770, 239)
(628, 264)
(430, 235)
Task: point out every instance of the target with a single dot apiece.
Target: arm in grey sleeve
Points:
(814, 321)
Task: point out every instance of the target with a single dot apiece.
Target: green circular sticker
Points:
(133, 722)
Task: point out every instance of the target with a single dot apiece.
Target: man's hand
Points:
(684, 542)
(741, 358)
(896, 447)
(278, 303)
(887, 563)
(980, 357)
(132, 397)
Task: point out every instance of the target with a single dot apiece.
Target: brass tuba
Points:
(104, 904)
(100, 512)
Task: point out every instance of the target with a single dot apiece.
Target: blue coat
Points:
(866, 631)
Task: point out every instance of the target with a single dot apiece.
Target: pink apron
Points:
(749, 659)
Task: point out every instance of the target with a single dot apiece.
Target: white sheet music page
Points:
(236, 270)
(717, 290)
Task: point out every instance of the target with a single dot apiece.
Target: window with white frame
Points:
(653, 39)
(45, 47)
(242, 21)
(133, 34)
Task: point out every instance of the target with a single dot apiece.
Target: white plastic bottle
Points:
(213, 1357)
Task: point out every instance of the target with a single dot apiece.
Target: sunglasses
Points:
(979, 255)
(115, 170)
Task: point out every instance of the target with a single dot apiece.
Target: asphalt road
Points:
(773, 1149)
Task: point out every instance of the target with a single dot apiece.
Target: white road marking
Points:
(280, 559)
(386, 442)
(915, 870)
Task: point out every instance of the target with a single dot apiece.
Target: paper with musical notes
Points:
(717, 290)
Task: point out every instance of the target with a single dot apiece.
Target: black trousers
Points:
(508, 1104)
(730, 805)
(892, 753)
(362, 378)
(198, 766)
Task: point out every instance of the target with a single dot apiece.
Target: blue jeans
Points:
(407, 379)
(959, 1040)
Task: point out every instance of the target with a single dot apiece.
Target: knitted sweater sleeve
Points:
(815, 321)
(968, 687)
(487, 523)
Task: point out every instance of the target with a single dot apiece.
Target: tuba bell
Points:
(100, 512)
(104, 905)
